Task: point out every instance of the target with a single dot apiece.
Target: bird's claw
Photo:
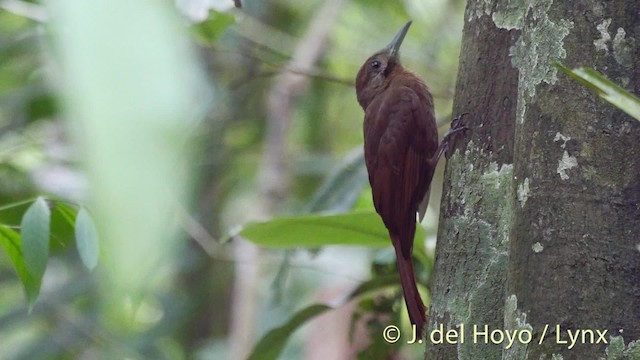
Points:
(456, 126)
(456, 123)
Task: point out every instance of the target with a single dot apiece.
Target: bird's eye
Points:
(375, 64)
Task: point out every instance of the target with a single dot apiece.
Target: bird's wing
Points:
(397, 145)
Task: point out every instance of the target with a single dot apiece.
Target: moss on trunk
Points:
(541, 208)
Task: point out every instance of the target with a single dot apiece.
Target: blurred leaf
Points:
(210, 29)
(605, 88)
(42, 105)
(35, 231)
(87, 239)
(312, 231)
(376, 283)
(10, 241)
(343, 186)
(139, 106)
(272, 344)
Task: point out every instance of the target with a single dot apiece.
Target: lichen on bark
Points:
(480, 239)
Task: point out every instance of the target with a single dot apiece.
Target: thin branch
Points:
(281, 101)
(197, 232)
(319, 75)
(273, 176)
(265, 35)
(312, 73)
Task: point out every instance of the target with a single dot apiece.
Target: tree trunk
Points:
(541, 209)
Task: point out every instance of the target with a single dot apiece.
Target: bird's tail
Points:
(415, 307)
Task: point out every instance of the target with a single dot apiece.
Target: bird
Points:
(401, 152)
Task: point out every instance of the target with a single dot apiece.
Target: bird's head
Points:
(375, 73)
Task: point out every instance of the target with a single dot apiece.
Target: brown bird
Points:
(401, 153)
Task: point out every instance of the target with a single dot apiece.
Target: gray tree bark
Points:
(540, 218)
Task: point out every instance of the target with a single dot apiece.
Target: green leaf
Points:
(10, 242)
(343, 186)
(16, 204)
(87, 239)
(312, 231)
(210, 29)
(605, 88)
(272, 344)
(12, 213)
(68, 213)
(374, 284)
(63, 218)
(35, 231)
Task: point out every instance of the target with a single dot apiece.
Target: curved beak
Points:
(394, 46)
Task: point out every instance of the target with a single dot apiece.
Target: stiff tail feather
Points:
(412, 299)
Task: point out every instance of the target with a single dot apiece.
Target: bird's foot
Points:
(456, 126)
